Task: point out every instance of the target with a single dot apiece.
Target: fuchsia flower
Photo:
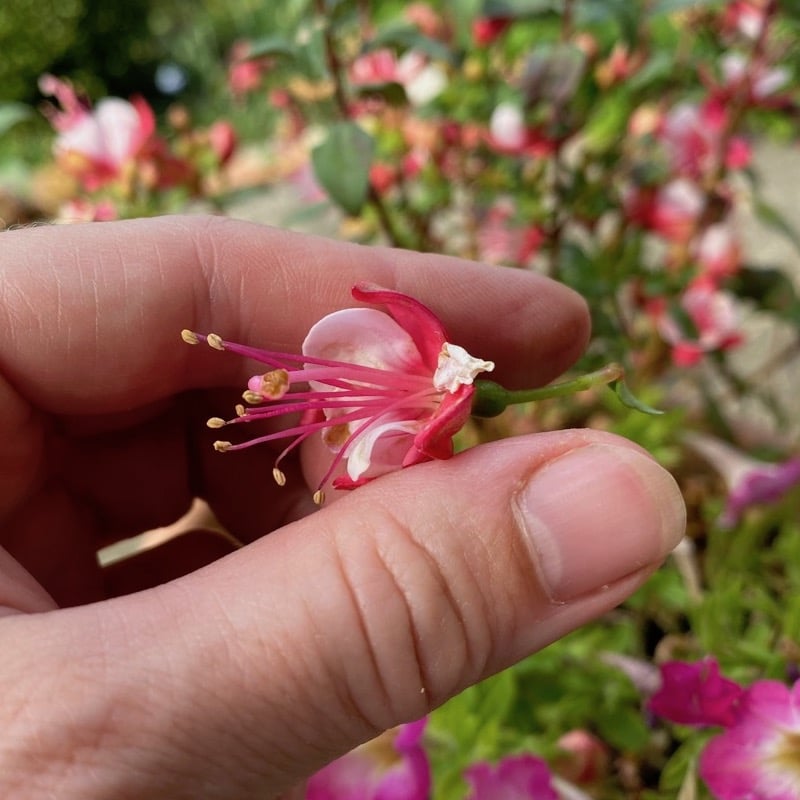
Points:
(758, 757)
(693, 136)
(713, 315)
(421, 79)
(696, 694)
(392, 767)
(718, 251)
(501, 242)
(245, 74)
(486, 30)
(385, 391)
(97, 143)
(522, 777)
(747, 17)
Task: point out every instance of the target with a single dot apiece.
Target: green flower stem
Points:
(492, 399)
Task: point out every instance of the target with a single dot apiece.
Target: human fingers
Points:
(90, 313)
(240, 679)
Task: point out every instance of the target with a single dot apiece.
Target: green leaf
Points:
(341, 165)
(518, 9)
(391, 92)
(271, 46)
(407, 37)
(606, 128)
(628, 399)
(770, 216)
(669, 6)
(11, 114)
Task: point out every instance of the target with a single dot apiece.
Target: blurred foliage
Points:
(33, 35)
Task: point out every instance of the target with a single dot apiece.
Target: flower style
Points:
(394, 766)
(758, 757)
(522, 777)
(385, 391)
(696, 694)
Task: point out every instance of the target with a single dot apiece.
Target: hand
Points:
(239, 679)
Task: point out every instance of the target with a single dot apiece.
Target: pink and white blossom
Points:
(718, 251)
(384, 390)
(758, 756)
(421, 79)
(507, 127)
(760, 80)
(97, 144)
(747, 17)
(394, 766)
(713, 315)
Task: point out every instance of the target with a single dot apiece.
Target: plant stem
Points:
(492, 399)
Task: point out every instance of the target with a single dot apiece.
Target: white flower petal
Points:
(380, 448)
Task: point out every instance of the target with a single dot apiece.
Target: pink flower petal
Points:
(696, 694)
(364, 336)
(418, 320)
(758, 757)
(522, 777)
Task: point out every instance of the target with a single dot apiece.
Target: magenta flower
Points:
(384, 391)
(696, 694)
(521, 777)
(758, 757)
(749, 481)
(392, 767)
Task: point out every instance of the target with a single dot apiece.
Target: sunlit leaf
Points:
(11, 114)
(271, 46)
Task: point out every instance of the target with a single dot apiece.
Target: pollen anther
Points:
(215, 341)
(319, 497)
(216, 422)
(190, 337)
(252, 397)
(221, 447)
(280, 477)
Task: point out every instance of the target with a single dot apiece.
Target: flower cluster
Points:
(395, 765)
(757, 755)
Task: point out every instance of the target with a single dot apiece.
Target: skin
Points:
(196, 672)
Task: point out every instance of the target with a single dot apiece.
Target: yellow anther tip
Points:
(215, 341)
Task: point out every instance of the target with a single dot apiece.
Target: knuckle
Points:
(421, 616)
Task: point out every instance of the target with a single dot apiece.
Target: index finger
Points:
(90, 314)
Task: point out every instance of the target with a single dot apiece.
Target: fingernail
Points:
(597, 514)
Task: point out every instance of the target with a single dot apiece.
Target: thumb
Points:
(243, 678)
